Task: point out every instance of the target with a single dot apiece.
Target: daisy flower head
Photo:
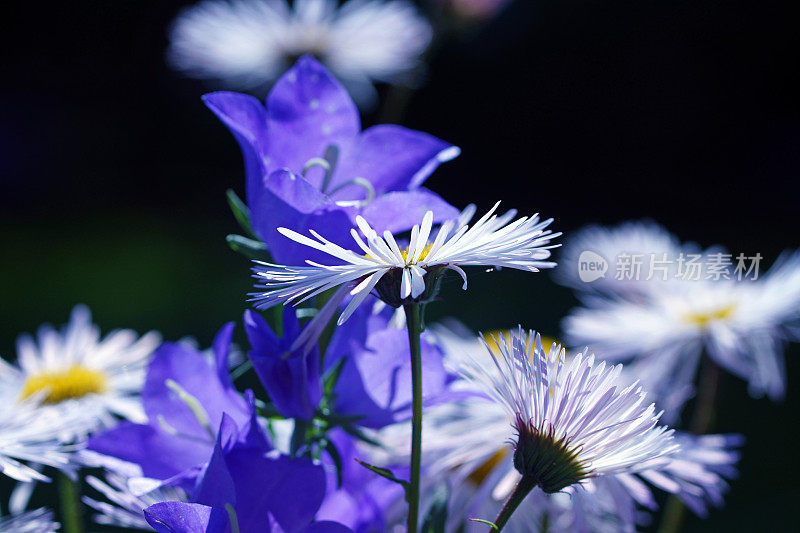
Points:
(31, 437)
(574, 420)
(128, 497)
(478, 466)
(38, 521)
(742, 326)
(601, 247)
(402, 275)
(249, 43)
(79, 374)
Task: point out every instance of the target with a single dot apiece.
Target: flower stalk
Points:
(414, 324)
(70, 504)
(524, 487)
(702, 419)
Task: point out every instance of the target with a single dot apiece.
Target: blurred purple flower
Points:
(291, 378)
(375, 380)
(185, 398)
(245, 484)
(309, 166)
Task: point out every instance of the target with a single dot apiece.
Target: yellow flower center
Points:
(74, 382)
(423, 255)
(704, 318)
(480, 473)
(404, 254)
(491, 341)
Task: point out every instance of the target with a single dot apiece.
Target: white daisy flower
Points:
(644, 239)
(250, 43)
(38, 521)
(79, 375)
(478, 466)
(32, 435)
(127, 499)
(574, 420)
(741, 325)
(400, 275)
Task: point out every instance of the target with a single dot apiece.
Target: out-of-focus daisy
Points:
(128, 498)
(249, 43)
(79, 374)
(595, 246)
(38, 521)
(478, 466)
(574, 420)
(402, 275)
(29, 434)
(741, 325)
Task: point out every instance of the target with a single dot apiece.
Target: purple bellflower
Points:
(374, 384)
(185, 398)
(309, 166)
(375, 380)
(291, 378)
(362, 500)
(247, 487)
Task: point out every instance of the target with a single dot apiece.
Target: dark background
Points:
(112, 172)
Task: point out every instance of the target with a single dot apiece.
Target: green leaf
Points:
(337, 461)
(240, 212)
(249, 248)
(492, 524)
(386, 473)
(436, 516)
(357, 433)
(332, 376)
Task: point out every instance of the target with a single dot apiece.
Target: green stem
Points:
(68, 491)
(706, 398)
(414, 325)
(525, 485)
(702, 419)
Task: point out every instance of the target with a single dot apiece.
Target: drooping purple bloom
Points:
(247, 482)
(376, 173)
(374, 383)
(176, 441)
(291, 378)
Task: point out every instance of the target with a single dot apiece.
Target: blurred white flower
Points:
(38, 521)
(78, 375)
(247, 44)
(127, 498)
(741, 325)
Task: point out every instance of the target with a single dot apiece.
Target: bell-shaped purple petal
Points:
(327, 527)
(159, 454)
(288, 200)
(361, 501)
(307, 113)
(261, 486)
(291, 378)
(246, 118)
(375, 381)
(197, 376)
(179, 517)
(400, 210)
(216, 486)
(411, 156)
(178, 441)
